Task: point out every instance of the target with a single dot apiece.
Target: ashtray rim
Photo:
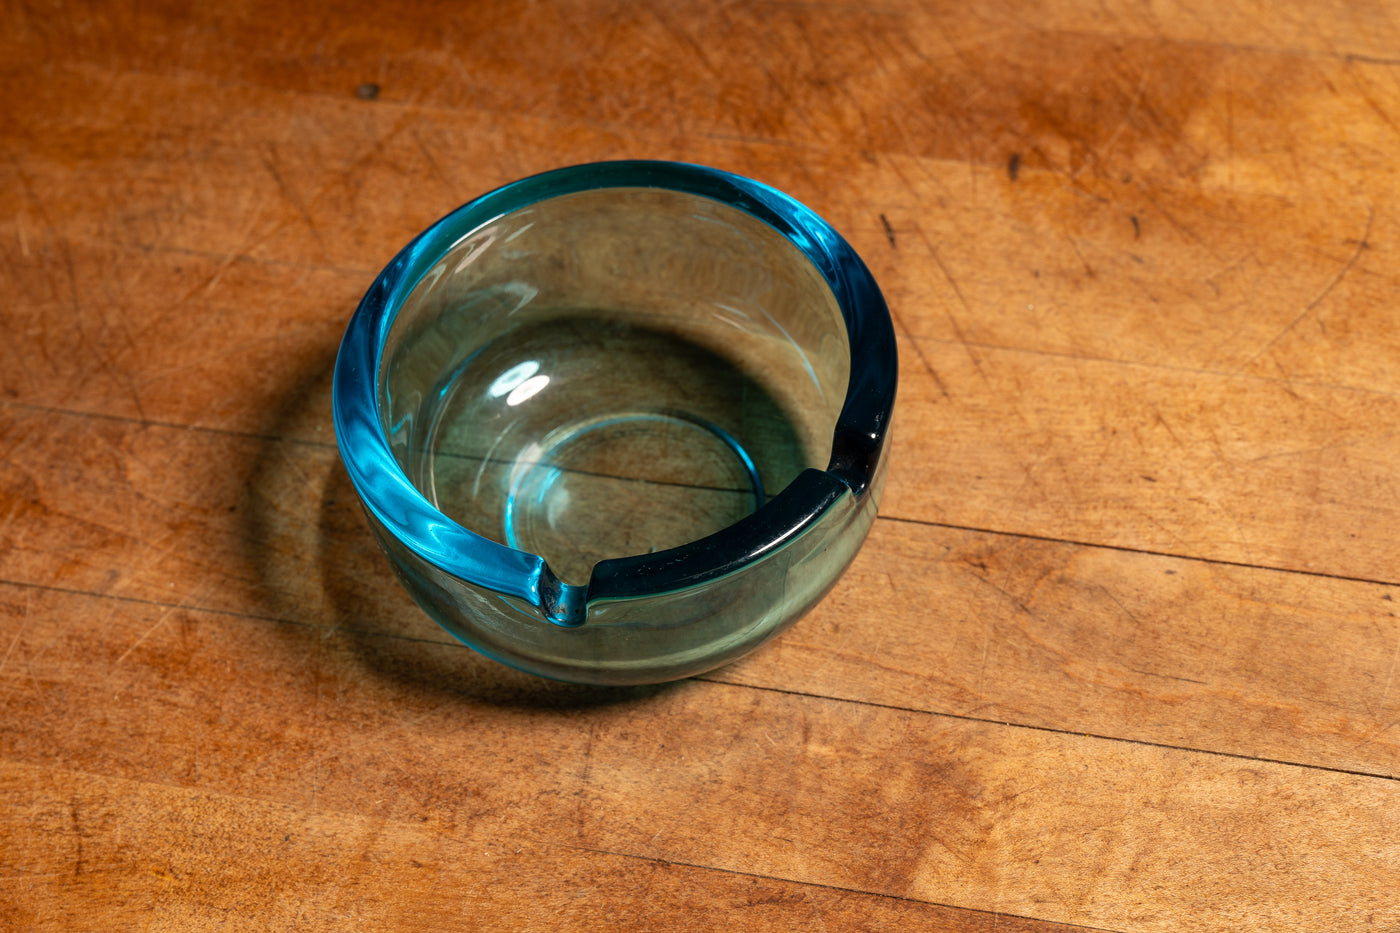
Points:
(404, 512)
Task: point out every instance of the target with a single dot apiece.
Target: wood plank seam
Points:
(145, 422)
(1286, 381)
(1127, 549)
(831, 887)
(710, 679)
(544, 844)
(1088, 735)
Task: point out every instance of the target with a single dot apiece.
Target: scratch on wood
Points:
(1158, 419)
(1177, 224)
(787, 97)
(23, 236)
(889, 231)
(1390, 675)
(962, 300)
(428, 156)
(1119, 603)
(923, 360)
(269, 161)
(914, 342)
(686, 39)
(77, 834)
(1088, 269)
(1323, 448)
(1185, 680)
(10, 650)
(1013, 166)
(136, 644)
(758, 140)
(1101, 153)
(1370, 59)
(988, 634)
(1362, 244)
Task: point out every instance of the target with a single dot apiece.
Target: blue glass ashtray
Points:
(619, 423)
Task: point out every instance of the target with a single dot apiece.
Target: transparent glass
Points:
(619, 423)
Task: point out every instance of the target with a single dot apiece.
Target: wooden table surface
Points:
(1121, 652)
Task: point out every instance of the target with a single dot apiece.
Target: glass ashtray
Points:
(619, 423)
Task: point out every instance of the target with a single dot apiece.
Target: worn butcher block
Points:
(1121, 652)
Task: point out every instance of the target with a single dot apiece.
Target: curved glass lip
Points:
(403, 511)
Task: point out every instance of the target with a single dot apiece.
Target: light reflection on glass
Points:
(510, 380)
(527, 389)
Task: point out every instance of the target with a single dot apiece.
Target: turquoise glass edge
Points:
(740, 605)
(403, 514)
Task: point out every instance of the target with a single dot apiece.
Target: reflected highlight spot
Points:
(527, 389)
(510, 380)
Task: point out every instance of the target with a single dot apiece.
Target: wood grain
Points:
(1069, 637)
(203, 861)
(913, 806)
(1121, 652)
(1154, 458)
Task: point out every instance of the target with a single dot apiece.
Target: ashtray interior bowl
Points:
(621, 422)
